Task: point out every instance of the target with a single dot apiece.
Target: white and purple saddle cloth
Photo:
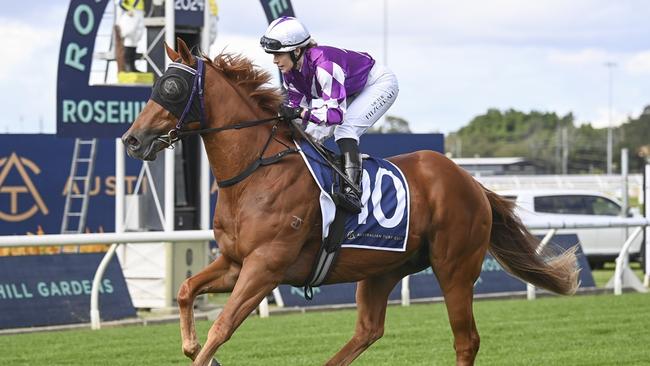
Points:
(384, 218)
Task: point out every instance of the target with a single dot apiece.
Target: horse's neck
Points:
(231, 152)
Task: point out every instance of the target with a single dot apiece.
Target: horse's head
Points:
(174, 102)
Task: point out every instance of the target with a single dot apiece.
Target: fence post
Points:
(406, 291)
(530, 288)
(95, 319)
(646, 198)
(622, 265)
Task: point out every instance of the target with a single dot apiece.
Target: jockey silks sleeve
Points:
(328, 76)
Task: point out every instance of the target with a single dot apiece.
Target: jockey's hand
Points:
(290, 113)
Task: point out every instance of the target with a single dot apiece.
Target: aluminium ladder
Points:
(78, 188)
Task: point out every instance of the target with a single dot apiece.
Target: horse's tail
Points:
(516, 249)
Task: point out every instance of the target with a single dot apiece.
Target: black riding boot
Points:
(349, 198)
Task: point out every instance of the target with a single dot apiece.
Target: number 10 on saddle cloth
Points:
(384, 218)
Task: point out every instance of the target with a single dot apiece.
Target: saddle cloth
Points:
(384, 218)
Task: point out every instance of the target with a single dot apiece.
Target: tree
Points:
(392, 124)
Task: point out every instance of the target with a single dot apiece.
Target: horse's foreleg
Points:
(256, 280)
(218, 276)
(372, 298)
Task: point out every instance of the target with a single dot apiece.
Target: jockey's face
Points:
(284, 63)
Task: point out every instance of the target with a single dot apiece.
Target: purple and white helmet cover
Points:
(285, 34)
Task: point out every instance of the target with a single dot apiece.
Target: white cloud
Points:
(600, 118)
(581, 57)
(25, 44)
(639, 64)
(248, 46)
(29, 67)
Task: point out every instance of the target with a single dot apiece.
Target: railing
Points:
(204, 235)
(104, 238)
(622, 262)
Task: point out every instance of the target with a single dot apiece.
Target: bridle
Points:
(197, 94)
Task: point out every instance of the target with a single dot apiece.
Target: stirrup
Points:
(348, 202)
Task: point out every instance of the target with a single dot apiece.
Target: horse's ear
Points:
(184, 51)
(173, 55)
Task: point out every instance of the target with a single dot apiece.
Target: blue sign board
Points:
(493, 279)
(189, 12)
(83, 110)
(45, 290)
(34, 182)
(384, 145)
(391, 144)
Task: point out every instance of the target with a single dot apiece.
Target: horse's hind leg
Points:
(372, 298)
(457, 260)
(219, 276)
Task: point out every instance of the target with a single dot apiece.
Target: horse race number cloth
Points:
(384, 218)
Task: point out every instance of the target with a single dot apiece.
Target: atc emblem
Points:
(18, 192)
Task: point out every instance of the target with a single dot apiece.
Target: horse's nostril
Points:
(132, 142)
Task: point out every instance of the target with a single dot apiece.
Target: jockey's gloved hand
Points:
(290, 113)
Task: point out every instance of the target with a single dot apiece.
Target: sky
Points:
(453, 60)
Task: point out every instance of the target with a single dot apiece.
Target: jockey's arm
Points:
(330, 107)
(294, 97)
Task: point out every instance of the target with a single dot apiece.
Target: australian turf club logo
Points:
(13, 190)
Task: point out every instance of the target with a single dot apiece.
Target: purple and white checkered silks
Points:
(326, 79)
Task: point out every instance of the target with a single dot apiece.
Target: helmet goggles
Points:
(270, 44)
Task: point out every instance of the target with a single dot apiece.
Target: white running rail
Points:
(203, 235)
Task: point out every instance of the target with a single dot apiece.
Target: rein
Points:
(177, 133)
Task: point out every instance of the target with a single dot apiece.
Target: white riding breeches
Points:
(363, 109)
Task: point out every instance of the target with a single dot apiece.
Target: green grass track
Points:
(581, 330)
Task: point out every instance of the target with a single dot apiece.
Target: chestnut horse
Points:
(268, 226)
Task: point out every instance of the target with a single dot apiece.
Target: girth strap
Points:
(327, 254)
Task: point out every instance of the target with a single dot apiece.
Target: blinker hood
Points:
(173, 90)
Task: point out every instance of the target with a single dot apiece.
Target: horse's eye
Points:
(173, 89)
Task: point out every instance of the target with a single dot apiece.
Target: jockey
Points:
(332, 90)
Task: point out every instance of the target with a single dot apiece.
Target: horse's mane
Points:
(251, 78)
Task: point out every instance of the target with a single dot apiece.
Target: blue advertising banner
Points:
(45, 290)
(493, 279)
(34, 181)
(383, 145)
(83, 110)
(189, 12)
(391, 144)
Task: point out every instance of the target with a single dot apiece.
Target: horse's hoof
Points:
(215, 362)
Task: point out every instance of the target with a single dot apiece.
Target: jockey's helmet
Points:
(285, 34)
